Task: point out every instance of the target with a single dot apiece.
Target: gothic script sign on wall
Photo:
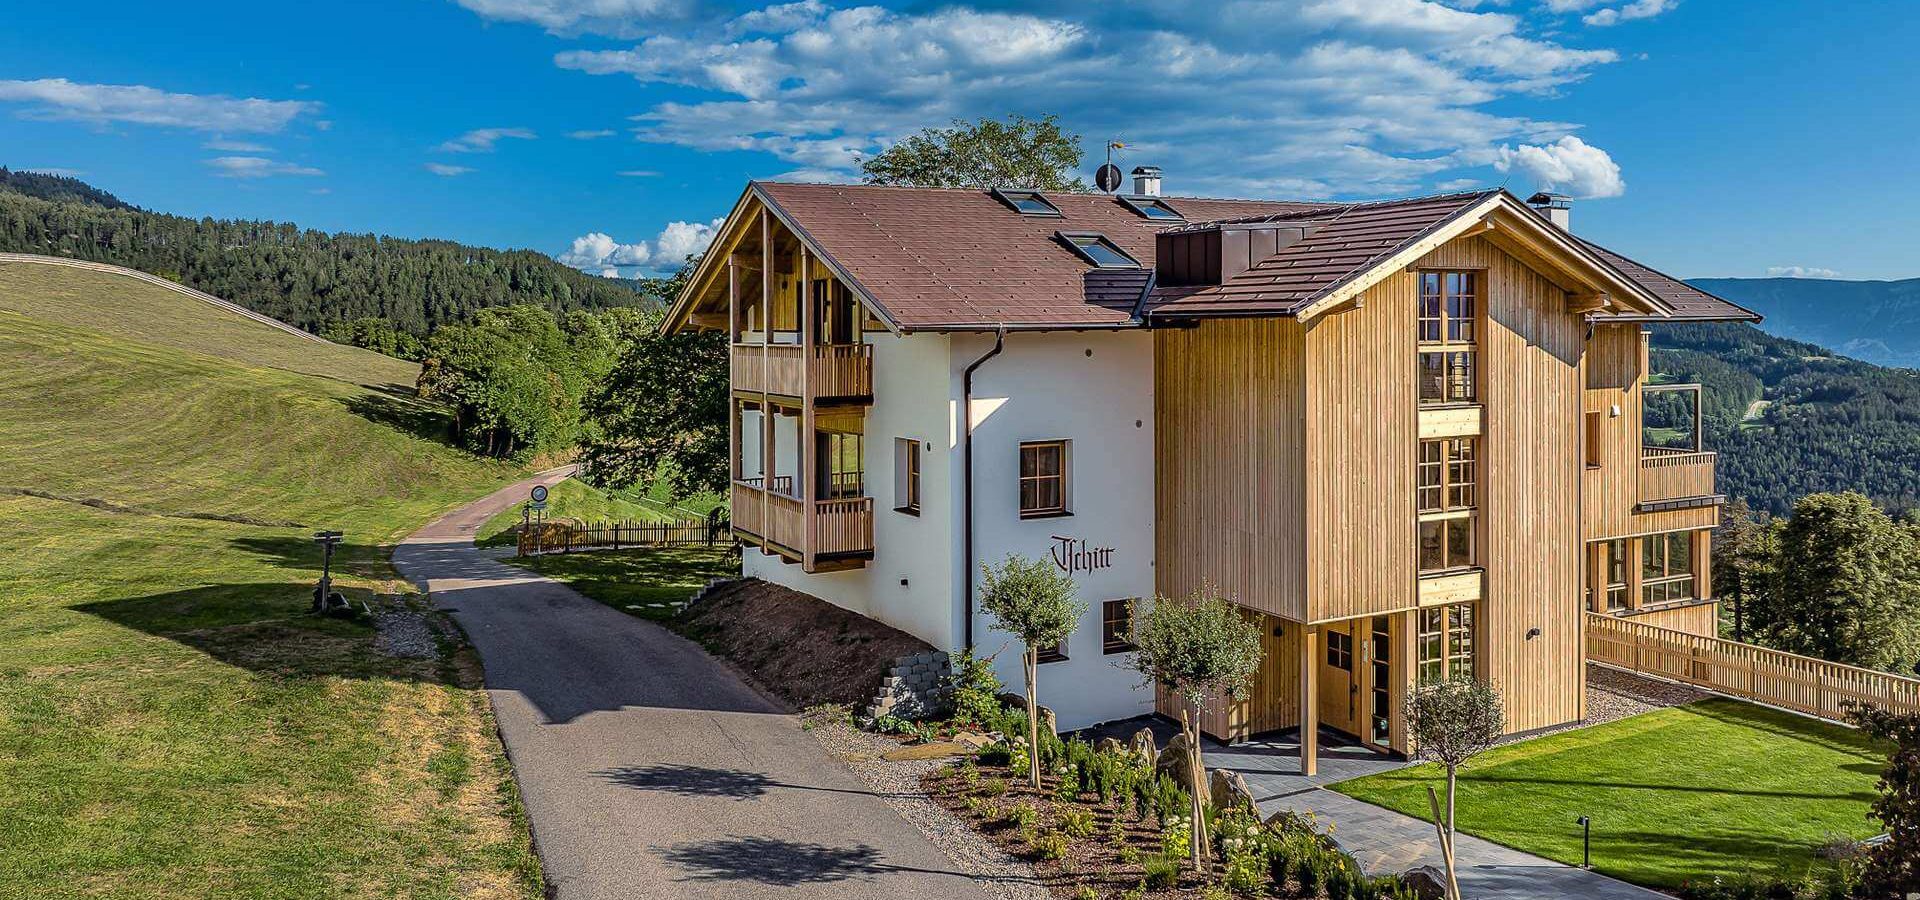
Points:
(1076, 555)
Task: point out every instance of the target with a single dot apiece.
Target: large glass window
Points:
(841, 466)
(1447, 330)
(1666, 568)
(1616, 570)
(1448, 473)
(1043, 478)
(1380, 728)
(1444, 640)
(1447, 543)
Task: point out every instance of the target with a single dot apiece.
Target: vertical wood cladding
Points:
(1702, 619)
(1273, 699)
(1230, 457)
(1614, 378)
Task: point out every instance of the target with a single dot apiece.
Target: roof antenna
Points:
(1108, 176)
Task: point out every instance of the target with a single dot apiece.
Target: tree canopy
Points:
(1843, 584)
(989, 153)
(515, 376)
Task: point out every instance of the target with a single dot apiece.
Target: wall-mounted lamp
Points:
(1533, 633)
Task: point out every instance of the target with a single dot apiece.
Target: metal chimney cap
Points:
(1147, 170)
(1550, 200)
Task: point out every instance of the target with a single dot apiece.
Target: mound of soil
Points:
(800, 648)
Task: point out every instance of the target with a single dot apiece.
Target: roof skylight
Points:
(1097, 249)
(1152, 208)
(1027, 203)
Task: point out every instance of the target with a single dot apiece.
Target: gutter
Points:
(966, 477)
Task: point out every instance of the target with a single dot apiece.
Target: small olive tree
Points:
(1035, 602)
(1450, 722)
(1201, 649)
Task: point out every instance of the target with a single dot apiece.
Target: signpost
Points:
(324, 596)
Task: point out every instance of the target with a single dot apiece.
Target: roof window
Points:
(1027, 203)
(1151, 208)
(1097, 249)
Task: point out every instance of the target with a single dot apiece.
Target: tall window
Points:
(1116, 626)
(906, 475)
(1043, 479)
(1448, 473)
(1448, 332)
(1666, 571)
(1444, 640)
(1447, 544)
(841, 464)
(1616, 551)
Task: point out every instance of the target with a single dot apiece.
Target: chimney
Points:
(1146, 181)
(1558, 208)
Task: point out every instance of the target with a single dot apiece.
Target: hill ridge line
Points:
(157, 281)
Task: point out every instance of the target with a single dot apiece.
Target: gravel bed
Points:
(404, 633)
(898, 782)
(1613, 695)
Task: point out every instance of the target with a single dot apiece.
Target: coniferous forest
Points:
(308, 278)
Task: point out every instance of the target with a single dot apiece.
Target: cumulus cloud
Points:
(1309, 98)
(591, 135)
(616, 18)
(599, 252)
(1639, 9)
(1569, 165)
(447, 171)
(230, 146)
(1800, 272)
(482, 140)
(138, 104)
(638, 173)
(258, 167)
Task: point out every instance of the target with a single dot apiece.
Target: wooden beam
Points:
(766, 370)
(1309, 700)
(1581, 303)
(809, 442)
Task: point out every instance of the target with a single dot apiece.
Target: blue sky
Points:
(1705, 137)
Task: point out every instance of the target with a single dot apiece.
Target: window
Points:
(1053, 654)
(1380, 730)
(1616, 569)
(1448, 473)
(1666, 570)
(1444, 640)
(1446, 544)
(1447, 329)
(1151, 208)
(1097, 249)
(1043, 479)
(1593, 439)
(1116, 626)
(906, 475)
(1026, 203)
(1340, 650)
(841, 466)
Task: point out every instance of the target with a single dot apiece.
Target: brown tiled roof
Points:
(1342, 243)
(1689, 303)
(944, 258)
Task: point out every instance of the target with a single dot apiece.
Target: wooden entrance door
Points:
(1341, 672)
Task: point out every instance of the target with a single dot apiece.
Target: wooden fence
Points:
(566, 537)
(1799, 683)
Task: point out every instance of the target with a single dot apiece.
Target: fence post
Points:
(616, 535)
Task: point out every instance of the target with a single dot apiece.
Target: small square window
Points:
(1097, 249)
(1043, 479)
(1027, 203)
(1116, 626)
(1053, 654)
(906, 476)
(1340, 650)
(1152, 208)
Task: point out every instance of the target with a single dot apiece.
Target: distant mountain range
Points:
(1875, 321)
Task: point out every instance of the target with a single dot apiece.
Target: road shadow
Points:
(403, 412)
(701, 781)
(299, 552)
(778, 863)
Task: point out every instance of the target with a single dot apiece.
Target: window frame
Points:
(1140, 203)
(1438, 308)
(1054, 654)
(1468, 522)
(1658, 575)
(1448, 468)
(1063, 477)
(1112, 641)
(1012, 197)
(1454, 631)
(1078, 241)
(1614, 593)
(906, 477)
(834, 475)
(1593, 434)
(1340, 650)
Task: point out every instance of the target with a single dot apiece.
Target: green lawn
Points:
(1718, 787)
(633, 578)
(172, 723)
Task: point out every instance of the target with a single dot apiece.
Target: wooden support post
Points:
(809, 441)
(1309, 700)
(767, 419)
(1635, 560)
(733, 405)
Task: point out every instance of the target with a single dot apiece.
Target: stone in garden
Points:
(1229, 790)
(1426, 882)
(1175, 761)
(1144, 746)
(1048, 724)
(972, 740)
(1110, 745)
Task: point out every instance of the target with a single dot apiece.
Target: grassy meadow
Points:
(172, 721)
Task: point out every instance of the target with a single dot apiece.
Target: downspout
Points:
(966, 477)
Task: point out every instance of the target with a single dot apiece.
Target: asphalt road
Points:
(648, 768)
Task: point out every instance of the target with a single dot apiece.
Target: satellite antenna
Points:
(1107, 178)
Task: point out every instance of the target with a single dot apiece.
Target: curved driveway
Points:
(648, 768)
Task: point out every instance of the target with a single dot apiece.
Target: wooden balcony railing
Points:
(844, 527)
(1800, 683)
(838, 371)
(1668, 474)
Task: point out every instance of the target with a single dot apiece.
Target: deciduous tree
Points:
(1016, 153)
(1037, 603)
(1451, 721)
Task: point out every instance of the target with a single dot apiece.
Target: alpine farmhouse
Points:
(1406, 436)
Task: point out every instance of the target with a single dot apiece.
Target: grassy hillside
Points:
(172, 722)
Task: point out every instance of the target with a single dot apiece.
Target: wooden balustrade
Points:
(838, 370)
(1675, 474)
(1803, 684)
(845, 527)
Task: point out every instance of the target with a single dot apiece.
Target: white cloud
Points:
(447, 171)
(638, 173)
(58, 98)
(591, 135)
(482, 140)
(1800, 272)
(1569, 165)
(1297, 98)
(1639, 9)
(618, 18)
(599, 252)
(258, 167)
(231, 146)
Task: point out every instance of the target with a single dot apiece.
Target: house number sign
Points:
(1076, 555)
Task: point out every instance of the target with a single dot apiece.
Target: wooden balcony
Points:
(1669, 474)
(776, 521)
(839, 372)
